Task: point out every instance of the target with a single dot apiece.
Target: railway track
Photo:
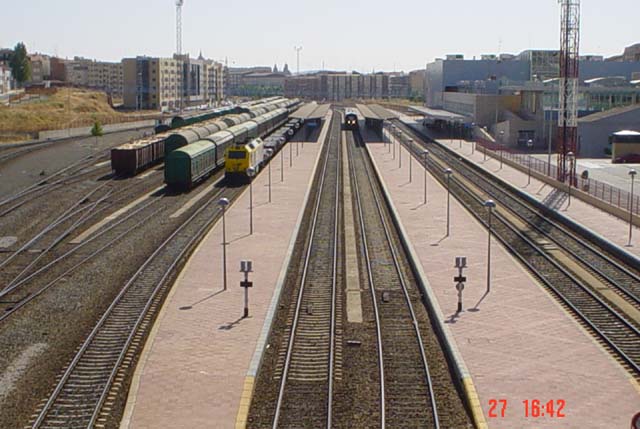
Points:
(614, 328)
(308, 366)
(85, 391)
(406, 388)
(46, 258)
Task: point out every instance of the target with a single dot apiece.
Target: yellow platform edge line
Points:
(243, 410)
(474, 403)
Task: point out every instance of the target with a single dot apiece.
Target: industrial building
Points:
(595, 131)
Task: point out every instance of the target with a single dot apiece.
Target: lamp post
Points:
(399, 149)
(389, 137)
(410, 149)
(290, 155)
(485, 148)
(529, 145)
(251, 172)
(223, 203)
(501, 142)
(393, 140)
(473, 141)
(571, 158)
(632, 174)
(489, 204)
(269, 181)
(448, 173)
(460, 133)
(425, 155)
(281, 164)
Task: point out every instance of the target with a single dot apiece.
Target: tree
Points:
(19, 63)
(97, 131)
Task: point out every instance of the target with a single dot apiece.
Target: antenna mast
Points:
(568, 108)
(179, 4)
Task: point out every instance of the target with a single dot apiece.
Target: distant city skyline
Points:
(363, 36)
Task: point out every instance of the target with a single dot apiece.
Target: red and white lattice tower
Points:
(568, 109)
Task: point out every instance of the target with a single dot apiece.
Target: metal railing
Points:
(603, 191)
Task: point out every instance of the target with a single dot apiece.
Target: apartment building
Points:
(152, 83)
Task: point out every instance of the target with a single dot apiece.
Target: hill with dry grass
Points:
(65, 108)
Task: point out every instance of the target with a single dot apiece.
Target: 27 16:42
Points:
(532, 408)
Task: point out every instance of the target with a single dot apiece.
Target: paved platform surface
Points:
(194, 367)
(611, 227)
(516, 341)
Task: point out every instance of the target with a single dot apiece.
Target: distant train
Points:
(350, 119)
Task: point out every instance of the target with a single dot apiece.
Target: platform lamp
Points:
(448, 172)
(489, 204)
(399, 148)
(393, 140)
(425, 155)
(632, 174)
(501, 144)
(529, 145)
(410, 149)
(473, 141)
(223, 203)
(571, 157)
(251, 172)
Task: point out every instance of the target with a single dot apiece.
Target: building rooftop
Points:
(605, 114)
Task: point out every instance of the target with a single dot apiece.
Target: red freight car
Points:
(131, 158)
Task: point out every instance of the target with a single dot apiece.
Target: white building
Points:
(5, 79)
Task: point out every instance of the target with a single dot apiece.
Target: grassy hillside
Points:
(67, 108)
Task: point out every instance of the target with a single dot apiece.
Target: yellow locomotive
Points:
(238, 159)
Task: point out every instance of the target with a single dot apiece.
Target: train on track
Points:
(350, 119)
(257, 153)
(131, 158)
(187, 165)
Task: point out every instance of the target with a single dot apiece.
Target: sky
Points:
(343, 35)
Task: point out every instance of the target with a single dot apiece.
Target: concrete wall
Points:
(86, 131)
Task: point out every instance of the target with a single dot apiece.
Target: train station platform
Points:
(515, 343)
(611, 227)
(198, 365)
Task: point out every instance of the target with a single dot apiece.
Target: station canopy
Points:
(311, 111)
(375, 112)
(438, 115)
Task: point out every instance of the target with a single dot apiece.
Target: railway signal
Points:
(461, 264)
(246, 267)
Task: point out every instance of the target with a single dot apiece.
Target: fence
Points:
(603, 191)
